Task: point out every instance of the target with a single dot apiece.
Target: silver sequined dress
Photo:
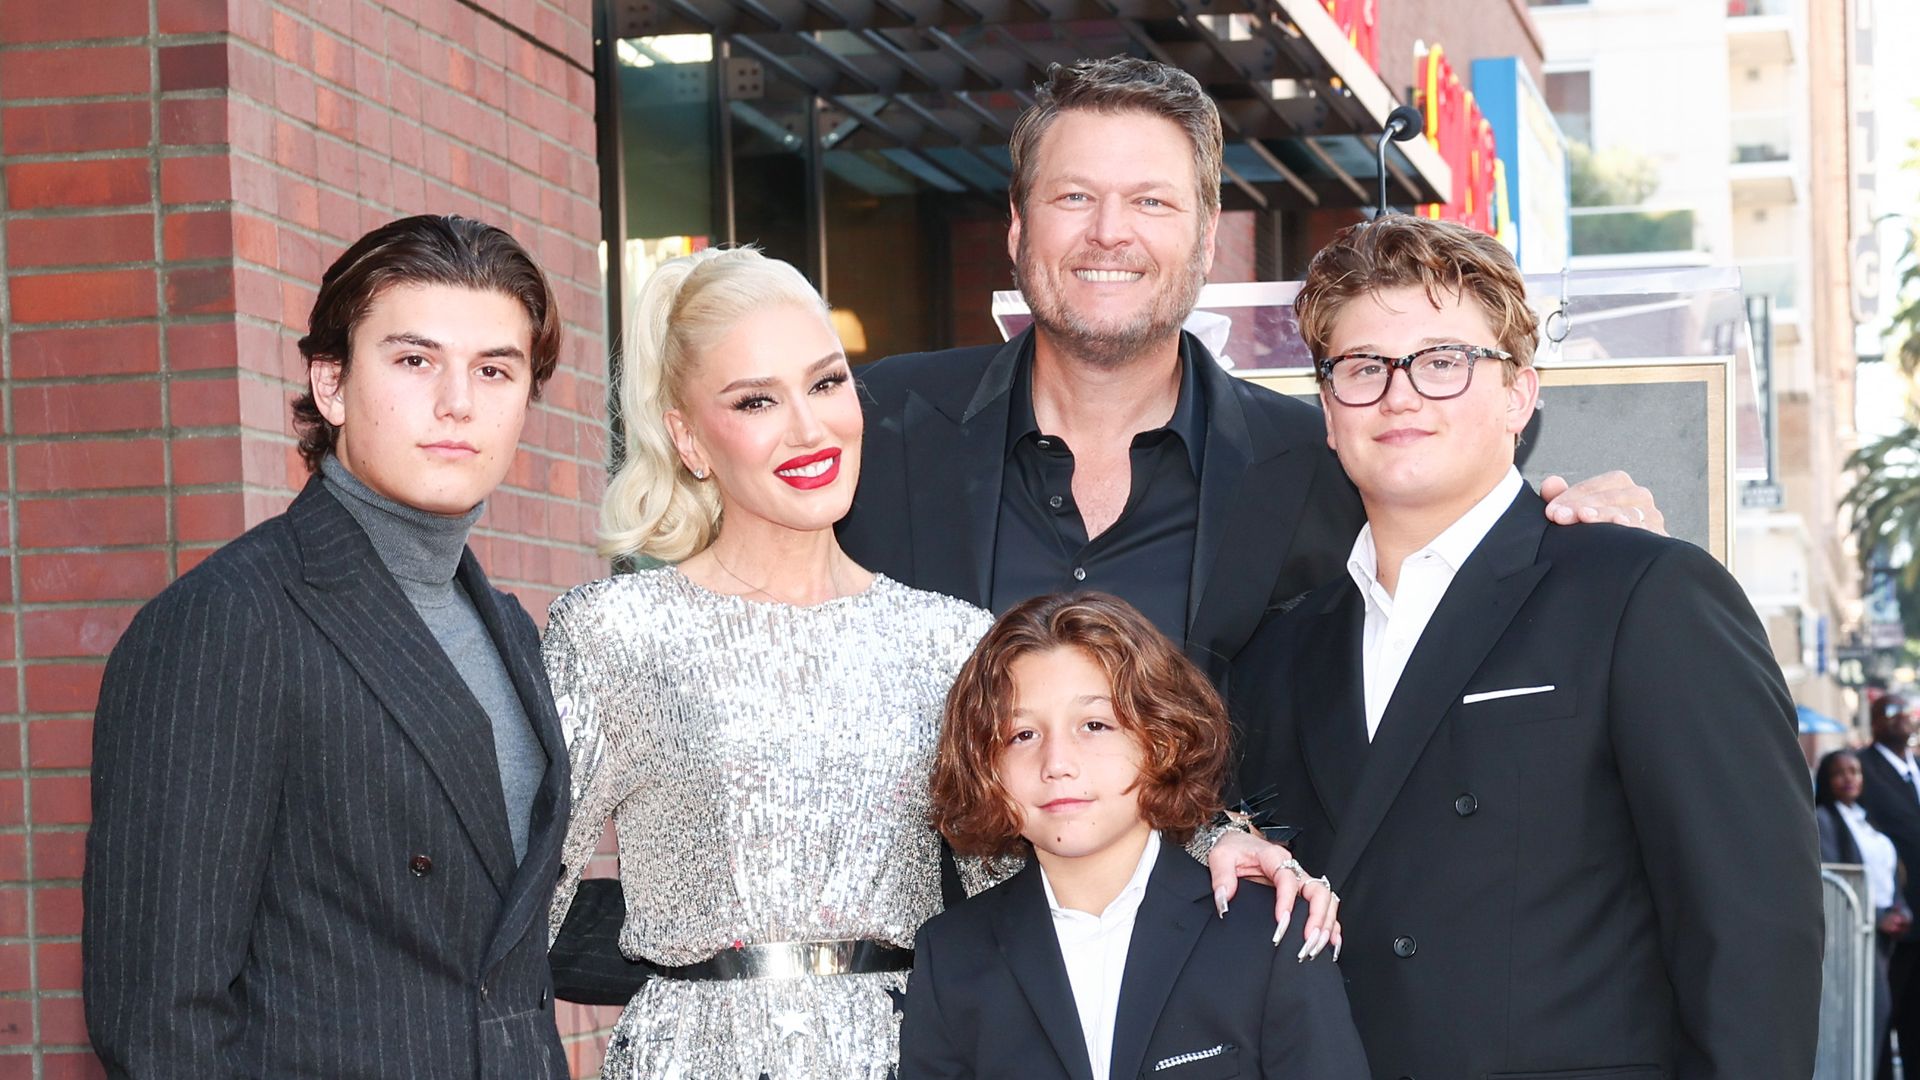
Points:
(766, 769)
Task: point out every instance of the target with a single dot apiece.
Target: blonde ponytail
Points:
(654, 507)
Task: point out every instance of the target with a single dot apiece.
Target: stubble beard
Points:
(1104, 347)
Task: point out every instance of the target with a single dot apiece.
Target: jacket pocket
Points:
(1609, 1073)
(1204, 1063)
(1518, 709)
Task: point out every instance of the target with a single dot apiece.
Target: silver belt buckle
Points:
(791, 959)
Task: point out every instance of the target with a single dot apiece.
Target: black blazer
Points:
(1277, 514)
(990, 998)
(300, 864)
(1892, 808)
(1837, 844)
(1618, 873)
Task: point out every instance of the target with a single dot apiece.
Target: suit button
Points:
(1404, 946)
(420, 865)
(1466, 804)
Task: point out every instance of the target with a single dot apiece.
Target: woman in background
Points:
(1846, 837)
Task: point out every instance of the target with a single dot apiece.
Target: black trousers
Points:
(1903, 979)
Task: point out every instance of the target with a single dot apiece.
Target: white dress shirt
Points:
(1095, 949)
(1395, 620)
(1876, 853)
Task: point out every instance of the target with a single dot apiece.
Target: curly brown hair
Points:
(1159, 697)
(1441, 257)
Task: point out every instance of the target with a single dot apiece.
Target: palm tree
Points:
(1885, 502)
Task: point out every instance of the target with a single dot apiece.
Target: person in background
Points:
(1847, 837)
(1079, 739)
(329, 785)
(1890, 793)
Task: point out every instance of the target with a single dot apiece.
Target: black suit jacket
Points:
(1277, 515)
(1892, 808)
(990, 998)
(1620, 872)
(300, 864)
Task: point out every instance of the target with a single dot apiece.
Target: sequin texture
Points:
(766, 770)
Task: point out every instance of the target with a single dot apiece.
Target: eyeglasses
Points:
(1436, 373)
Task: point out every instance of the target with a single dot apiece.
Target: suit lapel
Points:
(356, 603)
(1482, 600)
(945, 438)
(1172, 916)
(1329, 700)
(1023, 928)
(520, 653)
(1252, 491)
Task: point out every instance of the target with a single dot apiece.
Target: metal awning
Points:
(931, 88)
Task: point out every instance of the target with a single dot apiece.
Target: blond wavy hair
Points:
(654, 506)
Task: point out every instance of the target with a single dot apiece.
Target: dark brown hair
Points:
(428, 249)
(1159, 697)
(1441, 257)
(1120, 84)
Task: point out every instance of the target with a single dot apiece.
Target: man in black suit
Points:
(1890, 793)
(1104, 448)
(329, 786)
(1552, 771)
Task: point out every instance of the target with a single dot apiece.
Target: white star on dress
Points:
(791, 1023)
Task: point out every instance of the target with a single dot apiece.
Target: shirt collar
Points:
(1189, 419)
(1903, 762)
(1454, 544)
(1128, 900)
(1855, 813)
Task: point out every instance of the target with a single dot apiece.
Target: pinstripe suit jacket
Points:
(300, 864)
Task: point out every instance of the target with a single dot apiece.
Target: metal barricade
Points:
(1846, 982)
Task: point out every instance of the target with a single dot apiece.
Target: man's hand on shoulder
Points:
(1610, 497)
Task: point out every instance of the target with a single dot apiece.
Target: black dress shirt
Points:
(1041, 545)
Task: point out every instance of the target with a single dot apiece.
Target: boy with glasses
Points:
(1552, 772)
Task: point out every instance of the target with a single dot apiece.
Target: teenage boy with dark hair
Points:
(1552, 771)
(329, 786)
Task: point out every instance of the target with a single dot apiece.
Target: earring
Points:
(699, 474)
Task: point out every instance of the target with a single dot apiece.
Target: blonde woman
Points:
(759, 716)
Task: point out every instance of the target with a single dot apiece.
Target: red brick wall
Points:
(174, 175)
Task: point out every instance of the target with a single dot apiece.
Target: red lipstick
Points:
(831, 455)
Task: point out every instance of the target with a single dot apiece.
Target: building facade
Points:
(1776, 196)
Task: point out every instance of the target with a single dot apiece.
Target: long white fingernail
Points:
(1219, 902)
(1336, 952)
(1281, 930)
(1320, 939)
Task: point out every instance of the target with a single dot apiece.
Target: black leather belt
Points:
(796, 960)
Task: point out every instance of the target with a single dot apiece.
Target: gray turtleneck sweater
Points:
(422, 551)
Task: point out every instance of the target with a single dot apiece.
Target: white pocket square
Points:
(1490, 695)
